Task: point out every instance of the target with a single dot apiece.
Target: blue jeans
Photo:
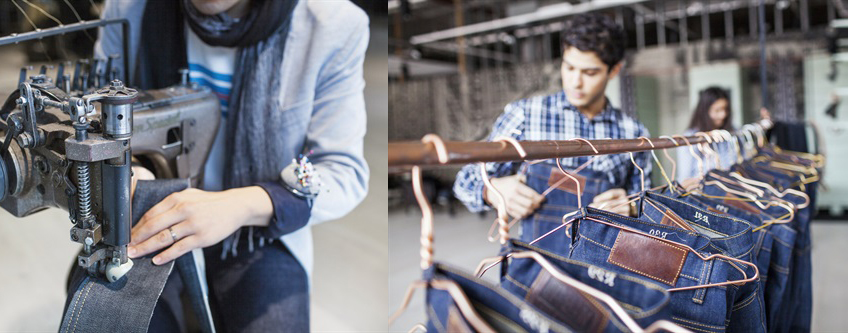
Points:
(645, 301)
(795, 311)
(560, 201)
(501, 310)
(763, 241)
(728, 235)
(774, 256)
(628, 253)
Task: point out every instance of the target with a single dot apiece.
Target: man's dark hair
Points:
(701, 118)
(597, 33)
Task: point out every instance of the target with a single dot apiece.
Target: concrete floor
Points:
(351, 254)
(461, 241)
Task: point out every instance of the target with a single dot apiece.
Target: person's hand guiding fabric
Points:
(195, 218)
(521, 200)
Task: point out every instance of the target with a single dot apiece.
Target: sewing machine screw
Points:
(74, 237)
(41, 165)
(25, 140)
(89, 241)
(21, 101)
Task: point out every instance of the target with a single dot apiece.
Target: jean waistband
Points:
(768, 213)
(718, 207)
(732, 236)
(690, 238)
(662, 261)
(644, 301)
(500, 309)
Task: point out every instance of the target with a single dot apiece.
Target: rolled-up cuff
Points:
(291, 212)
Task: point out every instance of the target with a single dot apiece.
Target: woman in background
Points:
(711, 113)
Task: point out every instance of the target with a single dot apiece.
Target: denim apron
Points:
(560, 201)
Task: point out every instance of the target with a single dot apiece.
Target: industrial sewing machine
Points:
(70, 143)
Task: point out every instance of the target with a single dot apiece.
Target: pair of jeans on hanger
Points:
(729, 236)
(531, 299)
(667, 263)
(794, 309)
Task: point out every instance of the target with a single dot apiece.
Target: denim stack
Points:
(732, 254)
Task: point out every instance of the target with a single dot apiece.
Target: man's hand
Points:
(613, 200)
(139, 173)
(197, 219)
(521, 200)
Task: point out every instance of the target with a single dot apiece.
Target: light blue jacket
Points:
(321, 78)
(687, 165)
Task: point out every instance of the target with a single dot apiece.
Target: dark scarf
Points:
(261, 39)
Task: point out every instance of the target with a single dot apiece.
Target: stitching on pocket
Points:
(679, 268)
(516, 283)
(745, 302)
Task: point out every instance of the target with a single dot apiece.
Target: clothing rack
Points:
(432, 151)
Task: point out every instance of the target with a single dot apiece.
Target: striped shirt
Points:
(552, 117)
(213, 67)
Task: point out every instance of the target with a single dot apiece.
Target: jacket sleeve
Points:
(468, 187)
(336, 132)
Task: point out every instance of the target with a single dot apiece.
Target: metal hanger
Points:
(503, 231)
(745, 278)
(462, 301)
(490, 234)
(665, 151)
(774, 191)
(697, 158)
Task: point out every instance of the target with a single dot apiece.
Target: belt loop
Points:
(706, 270)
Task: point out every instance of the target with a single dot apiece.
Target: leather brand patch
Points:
(741, 205)
(567, 304)
(565, 182)
(671, 219)
(648, 256)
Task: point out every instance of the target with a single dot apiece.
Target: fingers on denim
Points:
(560, 201)
(93, 304)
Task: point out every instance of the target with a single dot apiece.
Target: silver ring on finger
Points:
(173, 234)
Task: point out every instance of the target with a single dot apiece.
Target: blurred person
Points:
(593, 49)
(713, 112)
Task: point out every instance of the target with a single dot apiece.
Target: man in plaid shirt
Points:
(593, 47)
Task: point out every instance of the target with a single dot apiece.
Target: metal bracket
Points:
(81, 235)
(183, 160)
(93, 149)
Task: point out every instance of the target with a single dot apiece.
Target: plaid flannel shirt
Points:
(552, 117)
